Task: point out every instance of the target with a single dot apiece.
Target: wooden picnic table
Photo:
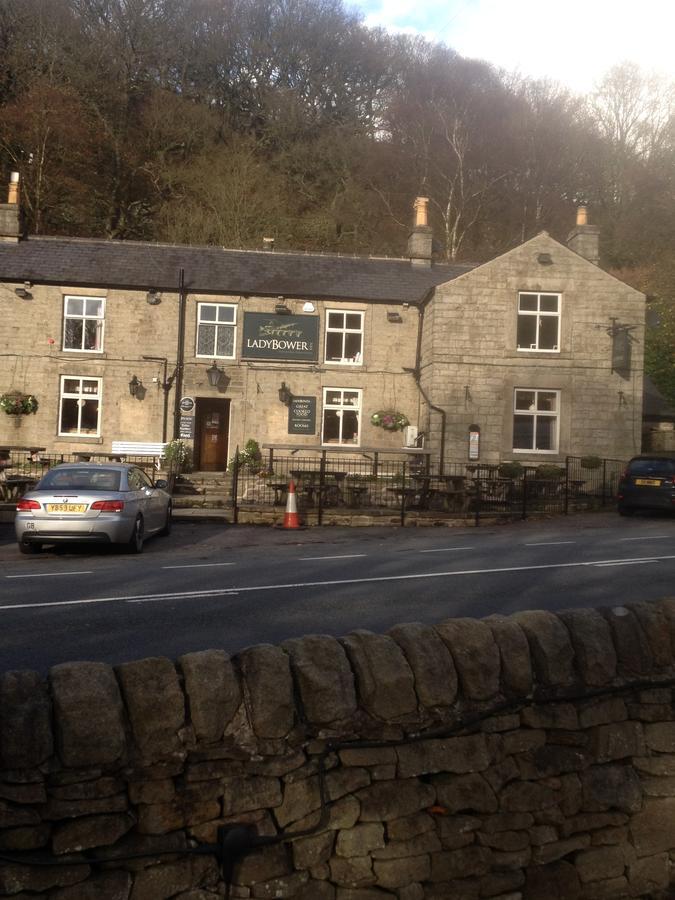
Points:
(15, 486)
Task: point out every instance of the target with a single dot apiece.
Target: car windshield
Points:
(664, 468)
(80, 480)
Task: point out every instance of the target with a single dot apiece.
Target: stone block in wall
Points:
(368, 756)
(160, 791)
(634, 655)
(299, 799)
(652, 829)
(316, 890)
(458, 831)
(618, 740)
(598, 864)
(601, 711)
(324, 678)
(430, 661)
(14, 816)
(360, 840)
(593, 821)
(357, 871)
(552, 759)
(525, 796)
(212, 690)
(34, 792)
(559, 880)
(88, 713)
(501, 885)
(660, 736)
(398, 873)
(455, 754)
(465, 793)
(649, 875)
(91, 831)
(410, 826)
(550, 647)
(279, 888)
(155, 705)
(105, 886)
(313, 850)
(662, 764)
(386, 800)
(250, 793)
(162, 880)
(611, 787)
(161, 818)
(29, 837)
(655, 626)
(340, 782)
(428, 842)
(25, 720)
(70, 809)
(384, 680)
(476, 656)
(551, 716)
(15, 878)
(268, 690)
(592, 643)
(462, 863)
(514, 652)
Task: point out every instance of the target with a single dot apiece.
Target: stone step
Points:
(201, 501)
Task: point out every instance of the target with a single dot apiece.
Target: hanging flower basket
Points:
(390, 421)
(14, 403)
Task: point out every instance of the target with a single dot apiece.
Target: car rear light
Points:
(108, 505)
(24, 505)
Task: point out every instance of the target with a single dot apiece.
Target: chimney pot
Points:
(421, 207)
(584, 239)
(13, 190)
(582, 215)
(420, 241)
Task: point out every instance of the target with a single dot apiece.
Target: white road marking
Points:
(445, 549)
(628, 562)
(548, 543)
(198, 566)
(48, 574)
(221, 592)
(346, 556)
(647, 537)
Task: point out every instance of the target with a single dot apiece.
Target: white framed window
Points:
(216, 330)
(536, 420)
(83, 324)
(80, 405)
(341, 416)
(538, 322)
(344, 337)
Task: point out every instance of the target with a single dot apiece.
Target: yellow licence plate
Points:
(650, 482)
(66, 507)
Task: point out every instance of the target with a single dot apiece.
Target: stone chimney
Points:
(584, 239)
(10, 219)
(421, 238)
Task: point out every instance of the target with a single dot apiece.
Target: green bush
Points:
(510, 470)
(179, 456)
(590, 462)
(550, 471)
(249, 458)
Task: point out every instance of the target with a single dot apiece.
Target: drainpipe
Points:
(416, 373)
(180, 353)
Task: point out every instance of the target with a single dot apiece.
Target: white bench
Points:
(139, 448)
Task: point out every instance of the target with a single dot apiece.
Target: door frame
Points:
(200, 403)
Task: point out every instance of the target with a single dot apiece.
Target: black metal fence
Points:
(377, 484)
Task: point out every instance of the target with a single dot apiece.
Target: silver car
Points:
(102, 503)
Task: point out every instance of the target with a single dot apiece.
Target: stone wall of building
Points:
(528, 756)
(472, 364)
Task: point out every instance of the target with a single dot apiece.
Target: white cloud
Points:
(575, 43)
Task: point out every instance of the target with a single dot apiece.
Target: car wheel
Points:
(167, 524)
(136, 539)
(29, 547)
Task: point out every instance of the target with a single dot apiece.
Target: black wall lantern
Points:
(214, 374)
(285, 394)
(134, 385)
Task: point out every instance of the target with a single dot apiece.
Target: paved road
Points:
(221, 586)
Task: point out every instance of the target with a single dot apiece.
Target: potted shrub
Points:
(549, 471)
(510, 470)
(590, 462)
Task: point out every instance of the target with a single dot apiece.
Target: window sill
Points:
(77, 439)
(84, 354)
(537, 354)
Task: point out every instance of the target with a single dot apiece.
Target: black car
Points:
(648, 482)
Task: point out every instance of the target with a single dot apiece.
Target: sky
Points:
(574, 42)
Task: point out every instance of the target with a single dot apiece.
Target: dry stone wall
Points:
(529, 756)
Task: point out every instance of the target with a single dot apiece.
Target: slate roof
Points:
(127, 264)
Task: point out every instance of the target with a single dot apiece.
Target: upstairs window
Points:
(344, 337)
(539, 322)
(216, 330)
(80, 405)
(83, 321)
(535, 420)
(341, 416)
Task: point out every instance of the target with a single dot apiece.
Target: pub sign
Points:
(268, 336)
(302, 415)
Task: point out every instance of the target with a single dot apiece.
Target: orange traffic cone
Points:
(291, 518)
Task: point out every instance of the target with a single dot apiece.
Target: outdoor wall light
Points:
(24, 292)
(281, 309)
(214, 374)
(285, 394)
(134, 385)
(153, 297)
(394, 317)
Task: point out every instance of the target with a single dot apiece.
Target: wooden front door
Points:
(211, 432)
